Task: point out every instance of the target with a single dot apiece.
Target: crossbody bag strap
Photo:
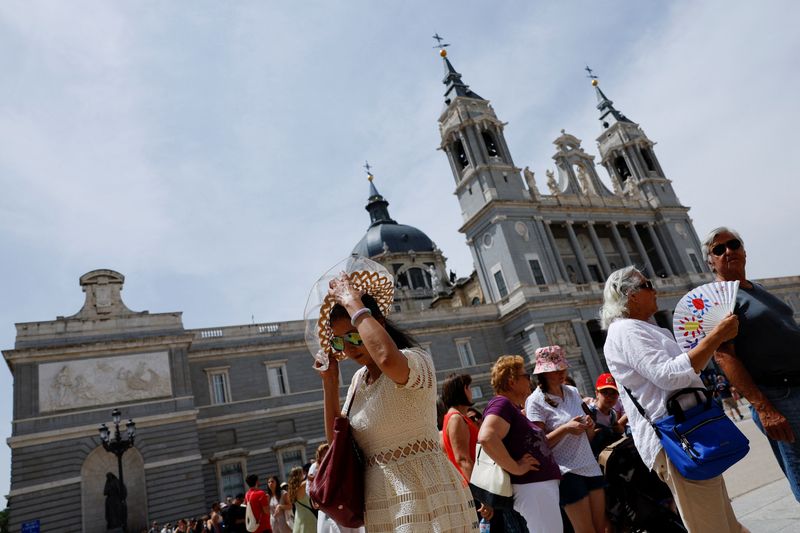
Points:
(642, 411)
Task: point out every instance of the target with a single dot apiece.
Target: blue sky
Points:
(211, 151)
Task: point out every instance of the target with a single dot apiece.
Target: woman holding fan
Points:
(648, 363)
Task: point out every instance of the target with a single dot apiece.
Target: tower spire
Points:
(452, 78)
(608, 113)
(377, 206)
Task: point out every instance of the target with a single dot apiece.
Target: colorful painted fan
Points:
(701, 309)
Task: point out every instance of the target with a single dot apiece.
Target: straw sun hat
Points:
(365, 275)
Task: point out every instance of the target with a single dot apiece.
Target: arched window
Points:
(460, 155)
(490, 143)
(648, 159)
(417, 278)
(621, 167)
(476, 301)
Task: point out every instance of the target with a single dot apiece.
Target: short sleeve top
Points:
(573, 453)
(768, 336)
(524, 437)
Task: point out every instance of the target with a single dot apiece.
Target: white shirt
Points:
(573, 453)
(646, 359)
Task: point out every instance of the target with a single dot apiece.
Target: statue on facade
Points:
(583, 180)
(530, 180)
(436, 282)
(551, 181)
(116, 508)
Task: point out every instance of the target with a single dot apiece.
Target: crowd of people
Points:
(552, 442)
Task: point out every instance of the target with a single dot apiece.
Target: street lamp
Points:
(118, 445)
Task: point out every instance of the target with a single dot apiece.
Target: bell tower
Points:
(506, 237)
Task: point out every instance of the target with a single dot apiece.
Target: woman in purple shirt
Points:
(519, 447)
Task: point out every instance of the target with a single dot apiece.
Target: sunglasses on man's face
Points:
(732, 245)
(645, 284)
(352, 338)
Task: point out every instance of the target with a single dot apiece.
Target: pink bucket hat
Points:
(550, 359)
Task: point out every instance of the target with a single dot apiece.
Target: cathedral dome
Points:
(385, 235)
(392, 238)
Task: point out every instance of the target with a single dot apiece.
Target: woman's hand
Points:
(578, 425)
(486, 511)
(526, 463)
(330, 376)
(727, 329)
(344, 293)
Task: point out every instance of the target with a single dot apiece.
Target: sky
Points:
(212, 152)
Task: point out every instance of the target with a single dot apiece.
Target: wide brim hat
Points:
(550, 359)
(606, 381)
(365, 275)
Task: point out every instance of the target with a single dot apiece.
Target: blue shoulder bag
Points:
(702, 442)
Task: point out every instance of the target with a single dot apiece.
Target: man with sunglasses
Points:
(763, 361)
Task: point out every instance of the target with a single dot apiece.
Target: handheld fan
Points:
(701, 309)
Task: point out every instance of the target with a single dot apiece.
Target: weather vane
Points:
(591, 76)
(439, 40)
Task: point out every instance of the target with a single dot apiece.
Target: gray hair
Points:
(619, 285)
(709, 240)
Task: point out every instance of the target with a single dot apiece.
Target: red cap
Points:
(606, 381)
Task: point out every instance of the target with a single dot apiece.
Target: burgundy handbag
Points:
(338, 487)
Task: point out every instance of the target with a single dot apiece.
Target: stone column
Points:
(562, 270)
(576, 247)
(620, 244)
(590, 356)
(598, 249)
(659, 250)
(642, 252)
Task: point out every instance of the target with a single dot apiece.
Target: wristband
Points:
(359, 313)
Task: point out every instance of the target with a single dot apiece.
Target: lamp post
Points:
(118, 445)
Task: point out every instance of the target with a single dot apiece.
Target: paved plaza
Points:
(761, 496)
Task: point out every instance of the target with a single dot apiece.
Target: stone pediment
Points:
(103, 295)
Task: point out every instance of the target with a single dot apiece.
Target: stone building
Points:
(213, 405)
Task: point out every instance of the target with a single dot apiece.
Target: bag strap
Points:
(642, 411)
(355, 389)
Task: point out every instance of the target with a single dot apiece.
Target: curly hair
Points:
(295, 480)
(619, 285)
(504, 370)
(322, 449)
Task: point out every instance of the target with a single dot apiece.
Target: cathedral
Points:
(213, 405)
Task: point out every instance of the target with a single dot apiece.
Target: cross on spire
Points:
(368, 168)
(439, 40)
(591, 76)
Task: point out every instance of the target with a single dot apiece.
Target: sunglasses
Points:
(732, 245)
(523, 375)
(646, 284)
(352, 338)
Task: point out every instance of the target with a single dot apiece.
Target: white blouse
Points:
(646, 359)
(573, 453)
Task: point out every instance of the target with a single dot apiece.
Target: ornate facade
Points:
(213, 405)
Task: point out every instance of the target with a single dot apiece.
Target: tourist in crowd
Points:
(762, 363)
(233, 515)
(520, 447)
(646, 359)
(279, 506)
(459, 433)
(558, 409)
(606, 410)
(725, 393)
(258, 501)
(409, 483)
(305, 520)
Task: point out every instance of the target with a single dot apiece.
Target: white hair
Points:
(619, 285)
(709, 240)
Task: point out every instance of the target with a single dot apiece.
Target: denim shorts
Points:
(574, 488)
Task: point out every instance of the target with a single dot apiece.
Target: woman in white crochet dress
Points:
(410, 485)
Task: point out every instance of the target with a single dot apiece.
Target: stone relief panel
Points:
(561, 333)
(105, 380)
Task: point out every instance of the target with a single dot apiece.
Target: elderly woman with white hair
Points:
(763, 362)
(646, 360)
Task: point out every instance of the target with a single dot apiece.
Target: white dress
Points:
(410, 484)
